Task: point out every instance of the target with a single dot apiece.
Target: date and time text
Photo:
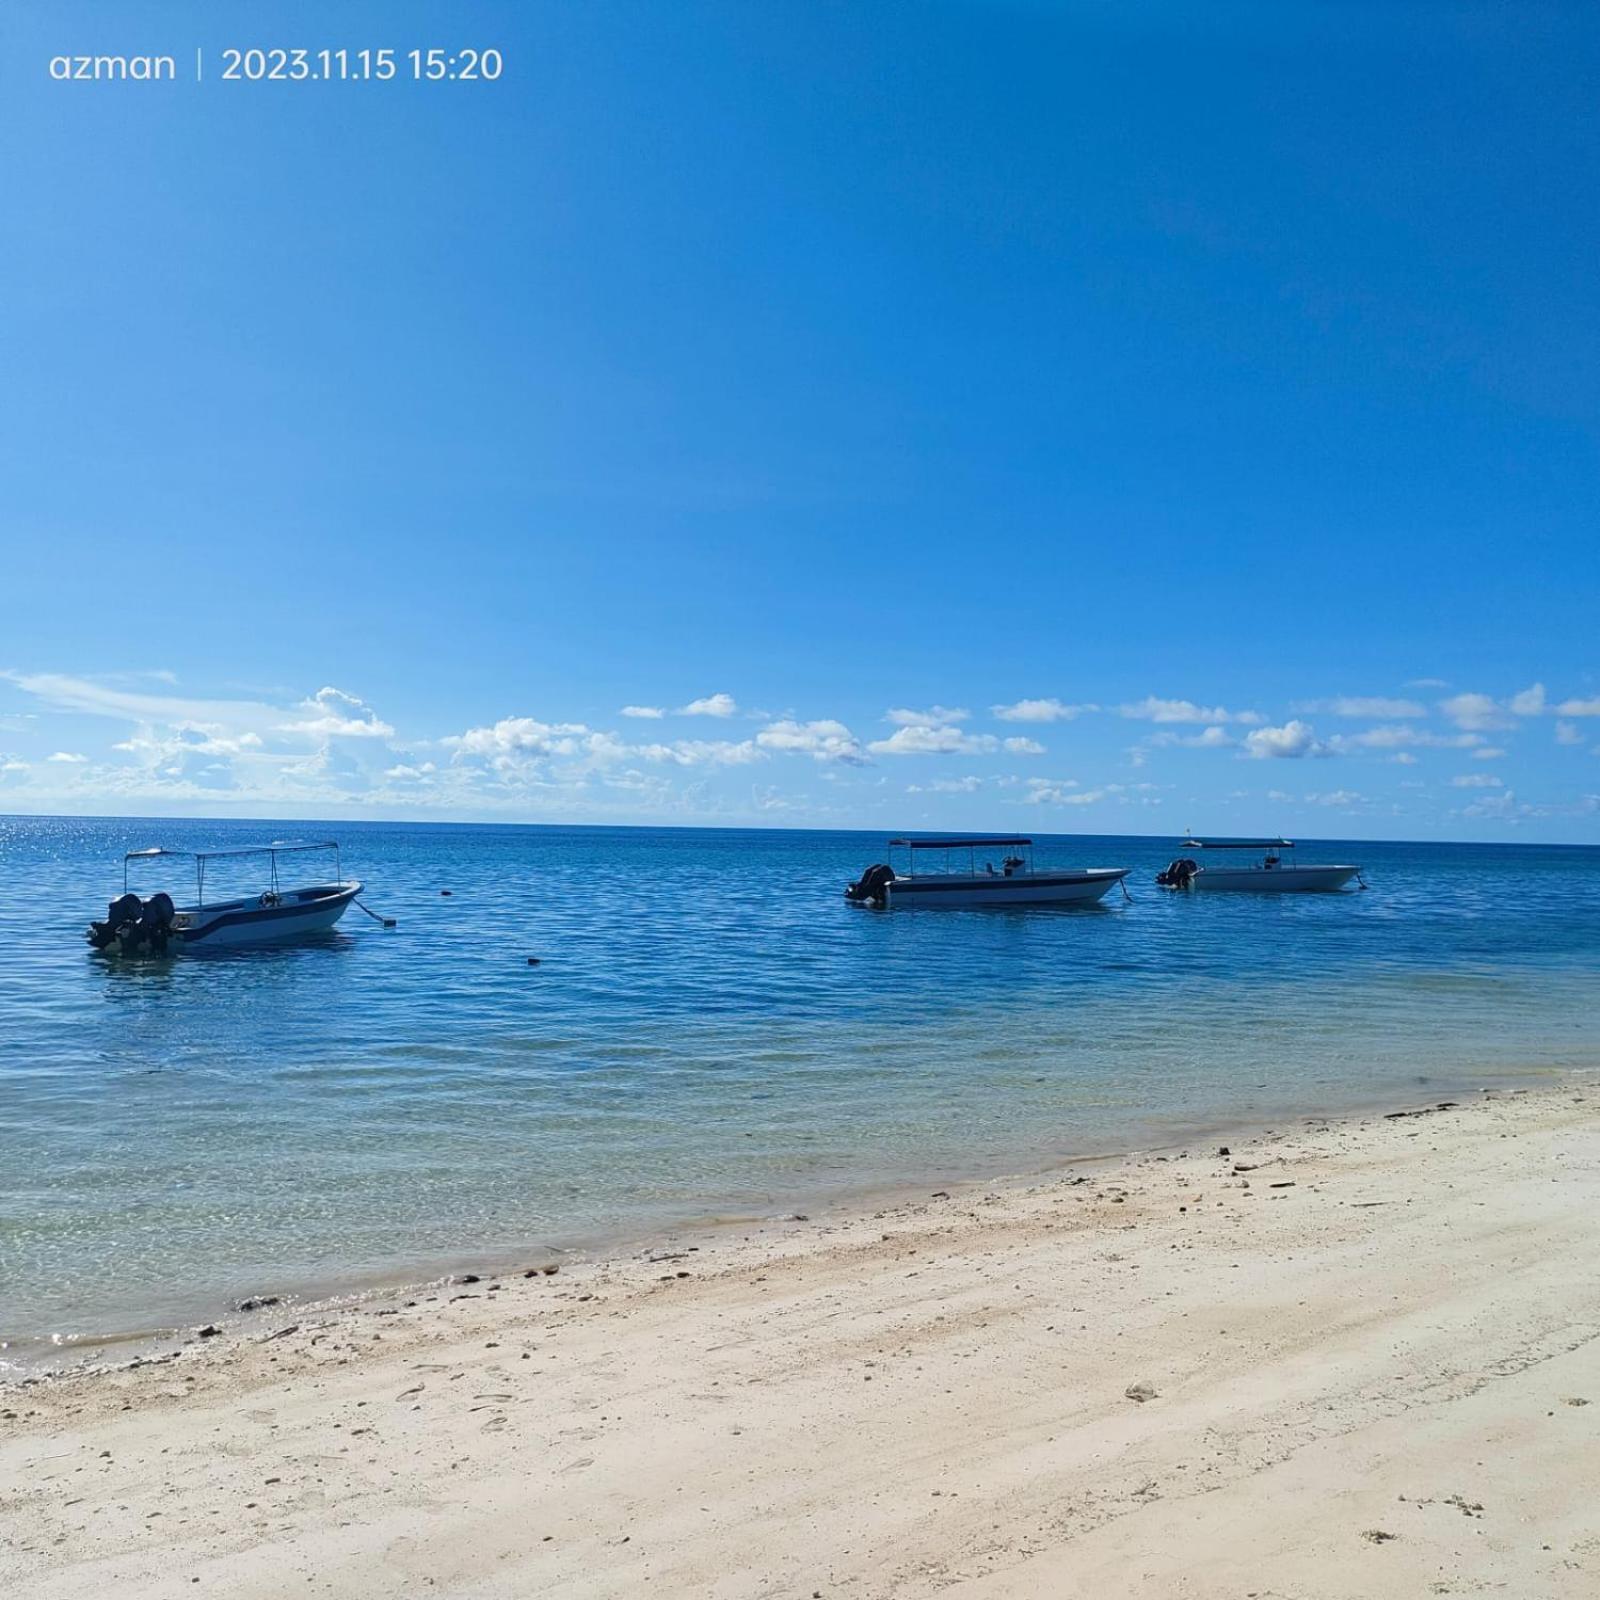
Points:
(255, 64)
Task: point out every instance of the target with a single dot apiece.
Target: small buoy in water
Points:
(444, 891)
(533, 961)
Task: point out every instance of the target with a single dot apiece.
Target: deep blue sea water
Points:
(711, 1031)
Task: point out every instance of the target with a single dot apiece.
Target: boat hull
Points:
(1023, 889)
(1274, 880)
(298, 914)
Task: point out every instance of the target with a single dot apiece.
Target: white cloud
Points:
(1051, 710)
(1153, 709)
(825, 740)
(766, 797)
(712, 705)
(172, 733)
(1295, 739)
(332, 753)
(1403, 736)
(183, 747)
(1060, 792)
(966, 785)
(522, 737)
(923, 739)
(1376, 707)
(333, 714)
(82, 694)
(1503, 807)
(699, 752)
(934, 716)
(185, 739)
(523, 748)
(1213, 738)
(1475, 711)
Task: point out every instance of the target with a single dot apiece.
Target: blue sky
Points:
(1099, 417)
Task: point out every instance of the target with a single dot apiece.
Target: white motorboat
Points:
(157, 926)
(1272, 874)
(1014, 881)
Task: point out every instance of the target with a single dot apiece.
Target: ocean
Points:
(710, 1032)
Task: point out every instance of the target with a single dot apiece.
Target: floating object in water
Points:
(388, 922)
(446, 892)
(533, 961)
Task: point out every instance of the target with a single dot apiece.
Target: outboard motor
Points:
(155, 924)
(1179, 873)
(872, 887)
(134, 925)
(123, 912)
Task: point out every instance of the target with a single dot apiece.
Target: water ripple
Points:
(710, 1028)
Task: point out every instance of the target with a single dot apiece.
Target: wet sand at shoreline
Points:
(1354, 1357)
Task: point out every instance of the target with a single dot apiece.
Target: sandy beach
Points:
(1341, 1359)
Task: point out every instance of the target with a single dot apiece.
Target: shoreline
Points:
(28, 1358)
(1354, 1357)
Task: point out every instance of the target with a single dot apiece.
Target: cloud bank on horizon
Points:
(144, 742)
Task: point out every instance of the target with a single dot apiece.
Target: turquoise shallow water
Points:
(711, 1030)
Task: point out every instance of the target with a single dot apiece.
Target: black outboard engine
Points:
(872, 887)
(1179, 873)
(122, 913)
(155, 925)
(135, 925)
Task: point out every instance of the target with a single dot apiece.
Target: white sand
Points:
(929, 1399)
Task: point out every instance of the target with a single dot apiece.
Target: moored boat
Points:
(1015, 881)
(1272, 874)
(156, 925)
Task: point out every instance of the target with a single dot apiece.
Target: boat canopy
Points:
(200, 857)
(235, 850)
(960, 844)
(1238, 844)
